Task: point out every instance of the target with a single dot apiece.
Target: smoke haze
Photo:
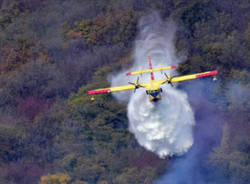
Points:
(164, 127)
(193, 166)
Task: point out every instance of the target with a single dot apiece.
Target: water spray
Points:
(165, 127)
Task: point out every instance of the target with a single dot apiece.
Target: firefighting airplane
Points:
(153, 88)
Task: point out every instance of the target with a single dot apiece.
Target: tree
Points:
(55, 179)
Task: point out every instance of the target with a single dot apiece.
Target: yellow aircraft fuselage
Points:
(154, 91)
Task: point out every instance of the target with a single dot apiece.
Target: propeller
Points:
(136, 84)
(168, 80)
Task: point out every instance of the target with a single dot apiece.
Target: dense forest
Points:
(53, 52)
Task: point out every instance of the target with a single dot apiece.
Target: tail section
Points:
(150, 67)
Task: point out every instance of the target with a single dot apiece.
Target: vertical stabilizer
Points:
(150, 67)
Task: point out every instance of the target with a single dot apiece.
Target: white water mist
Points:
(164, 127)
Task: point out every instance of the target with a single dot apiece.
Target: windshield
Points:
(154, 93)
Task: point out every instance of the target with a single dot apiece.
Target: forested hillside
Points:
(53, 52)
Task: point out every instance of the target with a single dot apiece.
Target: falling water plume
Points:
(164, 127)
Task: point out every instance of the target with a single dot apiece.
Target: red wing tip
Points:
(129, 73)
(173, 67)
(98, 91)
(214, 72)
(91, 92)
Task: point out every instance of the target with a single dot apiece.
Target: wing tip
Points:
(173, 67)
(92, 92)
(211, 73)
(129, 73)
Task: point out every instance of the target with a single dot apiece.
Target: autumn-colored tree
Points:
(110, 28)
(55, 179)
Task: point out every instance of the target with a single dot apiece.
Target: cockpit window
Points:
(154, 93)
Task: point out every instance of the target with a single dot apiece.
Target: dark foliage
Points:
(52, 52)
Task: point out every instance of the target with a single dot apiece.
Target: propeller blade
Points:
(136, 84)
(168, 79)
(166, 75)
(137, 80)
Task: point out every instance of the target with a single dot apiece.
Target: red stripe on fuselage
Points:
(150, 67)
(98, 91)
(215, 72)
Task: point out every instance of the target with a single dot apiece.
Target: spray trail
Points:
(164, 127)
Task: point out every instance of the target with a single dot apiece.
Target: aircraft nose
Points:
(155, 99)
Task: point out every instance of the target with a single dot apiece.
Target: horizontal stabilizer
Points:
(151, 70)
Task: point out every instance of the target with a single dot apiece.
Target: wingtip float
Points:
(153, 87)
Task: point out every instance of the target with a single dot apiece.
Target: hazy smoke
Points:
(164, 127)
(194, 167)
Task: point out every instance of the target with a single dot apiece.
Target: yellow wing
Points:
(151, 70)
(116, 88)
(192, 76)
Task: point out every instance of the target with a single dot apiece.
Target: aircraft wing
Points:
(192, 76)
(116, 88)
(111, 89)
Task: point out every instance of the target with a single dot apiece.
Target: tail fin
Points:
(150, 67)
